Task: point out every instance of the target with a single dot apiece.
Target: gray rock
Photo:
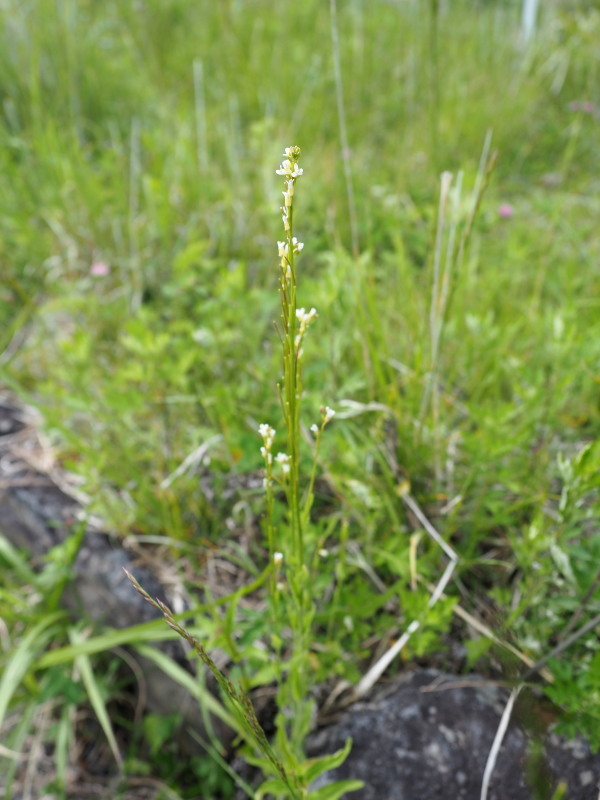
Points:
(36, 515)
(429, 735)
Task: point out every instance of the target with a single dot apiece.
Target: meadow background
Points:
(138, 228)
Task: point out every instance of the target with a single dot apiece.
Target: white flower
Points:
(266, 431)
(328, 414)
(268, 434)
(277, 558)
(323, 553)
(314, 429)
(284, 462)
(305, 317)
(290, 169)
(267, 455)
(285, 168)
(283, 249)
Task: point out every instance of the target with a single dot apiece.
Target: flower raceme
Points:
(268, 434)
(289, 167)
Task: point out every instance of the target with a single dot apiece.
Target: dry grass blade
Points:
(497, 743)
(377, 670)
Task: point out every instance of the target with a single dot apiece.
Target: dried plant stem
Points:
(451, 240)
(589, 626)
(377, 670)
(497, 743)
(346, 161)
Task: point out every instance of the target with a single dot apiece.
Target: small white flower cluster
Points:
(268, 435)
(327, 414)
(266, 455)
(284, 462)
(291, 171)
(283, 251)
(289, 167)
(305, 318)
(289, 193)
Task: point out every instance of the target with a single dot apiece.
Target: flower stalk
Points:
(294, 328)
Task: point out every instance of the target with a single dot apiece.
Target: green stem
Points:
(292, 401)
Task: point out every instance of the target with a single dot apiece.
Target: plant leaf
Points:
(22, 658)
(88, 678)
(333, 791)
(316, 767)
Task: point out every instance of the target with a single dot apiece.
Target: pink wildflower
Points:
(505, 211)
(99, 269)
(577, 105)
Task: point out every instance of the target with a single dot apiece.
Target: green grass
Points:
(145, 136)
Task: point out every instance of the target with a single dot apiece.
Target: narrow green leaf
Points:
(16, 741)
(84, 666)
(16, 561)
(194, 687)
(64, 734)
(154, 631)
(333, 791)
(316, 767)
(22, 658)
(274, 786)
